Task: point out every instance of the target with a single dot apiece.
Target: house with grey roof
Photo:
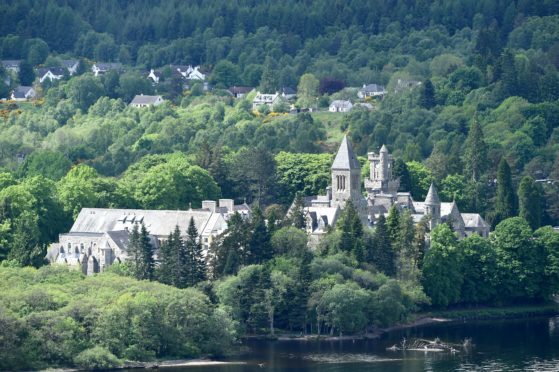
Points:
(146, 101)
(100, 236)
(239, 92)
(50, 73)
(371, 90)
(71, 65)
(265, 99)
(11, 65)
(101, 68)
(23, 93)
(340, 106)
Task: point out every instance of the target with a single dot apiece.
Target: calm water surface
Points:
(512, 345)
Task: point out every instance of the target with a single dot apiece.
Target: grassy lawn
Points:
(332, 123)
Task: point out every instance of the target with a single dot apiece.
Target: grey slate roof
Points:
(345, 158)
(121, 238)
(144, 100)
(69, 63)
(55, 71)
(106, 66)
(11, 63)
(239, 90)
(21, 91)
(432, 196)
(157, 222)
(372, 88)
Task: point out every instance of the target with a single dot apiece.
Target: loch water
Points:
(506, 345)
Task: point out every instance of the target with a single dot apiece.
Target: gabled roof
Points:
(372, 88)
(144, 100)
(106, 66)
(120, 237)
(341, 104)
(432, 196)
(473, 220)
(288, 90)
(57, 71)
(239, 90)
(21, 91)
(346, 158)
(69, 63)
(11, 63)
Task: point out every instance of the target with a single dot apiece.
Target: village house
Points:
(11, 65)
(146, 101)
(71, 65)
(155, 76)
(288, 93)
(189, 72)
(102, 68)
(402, 84)
(371, 90)
(50, 73)
(239, 92)
(340, 106)
(100, 237)
(322, 211)
(23, 93)
(265, 99)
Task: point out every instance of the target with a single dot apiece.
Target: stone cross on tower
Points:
(346, 176)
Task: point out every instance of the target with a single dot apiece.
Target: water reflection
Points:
(514, 345)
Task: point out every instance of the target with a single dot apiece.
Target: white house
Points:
(71, 65)
(50, 73)
(154, 76)
(340, 106)
(189, 72)
(265, 99)
(196, 74)
(101, 68)
(146, 101)
(371, 90)
(23, 93)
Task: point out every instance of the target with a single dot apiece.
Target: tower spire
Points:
(345, 158)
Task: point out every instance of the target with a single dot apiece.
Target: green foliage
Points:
(442, 276)
(506, 203)
(530, 203)
(97, 358)
(57, 317)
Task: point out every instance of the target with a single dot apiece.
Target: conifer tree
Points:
(404, 248)
(476, 152)
(401, 171)
(529, 198)
(419, 244)
(195, 269)
(166, 262)
(393, 223)
(260, 245)
(352, 232)
(297, 217)
(506, 204)
(427, 95)
(134, 251)
(230, 250)
(383, 254)
(146, 250)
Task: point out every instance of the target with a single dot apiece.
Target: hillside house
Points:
(371, 90)
(102, 68)
(146, 101)
(340, 106)
(11, 65)
(239, 92)
(50, 73)
(71, 65)
(265, 99)
(23, 93)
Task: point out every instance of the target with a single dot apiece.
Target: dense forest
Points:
(481, 122)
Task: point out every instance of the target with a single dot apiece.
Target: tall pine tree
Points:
(506, 204)
(383, 254)
(260, 245)
(195, 270)
(146, 249)
(476, 152)
(529, 198)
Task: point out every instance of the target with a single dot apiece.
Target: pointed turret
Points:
(433, 206)
(345, 158)
(432, 196)
(383, 149)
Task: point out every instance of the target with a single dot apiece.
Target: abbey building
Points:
(382, 193)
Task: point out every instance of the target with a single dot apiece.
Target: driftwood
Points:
(435, 345)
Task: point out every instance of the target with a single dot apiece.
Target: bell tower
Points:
(346, 176)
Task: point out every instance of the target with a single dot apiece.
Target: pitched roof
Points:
(108, 66)
(372, 88)
(346, 158)
(432, 196)
(21, 91)
(288, 90)
(69, 63)
(239, 90)
(57, 71)
(11, 63)
(144, 100)
(341, 104)
(473, 220)
(157, 222)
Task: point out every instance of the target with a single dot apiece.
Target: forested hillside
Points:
(471, 103)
